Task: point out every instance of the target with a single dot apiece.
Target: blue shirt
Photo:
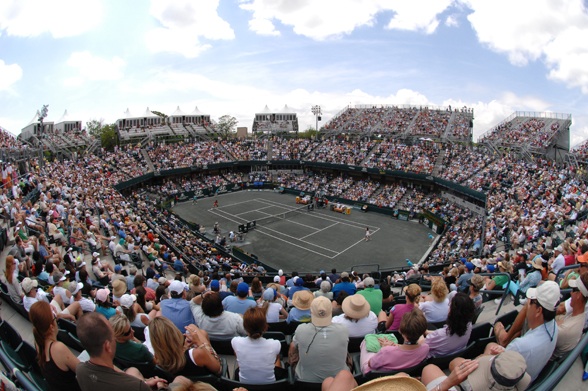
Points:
(297, 315)
(178, 311)
(348, 287)
(237, 305)
(107, 312)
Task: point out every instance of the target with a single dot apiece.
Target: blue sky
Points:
(96, 58)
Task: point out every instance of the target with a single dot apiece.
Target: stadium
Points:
(192, 200)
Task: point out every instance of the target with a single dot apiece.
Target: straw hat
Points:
(119, 287)
(302, 299)
(538, 263)
(396, 383)
(356, 307)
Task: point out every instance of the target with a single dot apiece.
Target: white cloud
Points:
(60, 18)
(333, 18)
(94, 68)
(9, 74)
(183, 24)
(451, 21)
(555, 32)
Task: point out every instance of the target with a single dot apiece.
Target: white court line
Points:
(256, 210)
(313, 233)
(335, 220)
(296, 245)
(356, 243)
(295, 238)
(328, 218)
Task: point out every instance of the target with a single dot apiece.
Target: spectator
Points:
(372, 295)
(274, 311)
(168, 349)
(97, 337)
(177, 308)
(128, 347)
(538, 343)
(52, 354)
(357, 316)
(301, 307)
(103, 304)
(258, 358)
(318, 358)
(239, 304)
(324, 290)
(507, 371)
(436, 306)
(413, 296)
(209, 313)
(455, 335)
(345, 285)
(388, 356)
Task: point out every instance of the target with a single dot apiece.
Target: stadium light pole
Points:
(41, 133)
(316, 110)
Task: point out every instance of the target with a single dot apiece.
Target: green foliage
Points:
(309, 133)
(94, 127)
(226, 125)
(159, 114)
(109, 137)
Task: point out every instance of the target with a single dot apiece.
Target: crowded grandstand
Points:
(91, 229)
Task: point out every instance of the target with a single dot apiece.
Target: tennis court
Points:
(290, 237)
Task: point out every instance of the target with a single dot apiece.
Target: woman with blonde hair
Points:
(413, 295)
(435, 306)
(128, 347)
(58, 364)
(194, 357)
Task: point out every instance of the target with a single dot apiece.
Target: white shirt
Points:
(360, 328)
(256, 358)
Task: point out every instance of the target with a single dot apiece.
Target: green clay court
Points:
(308, 241)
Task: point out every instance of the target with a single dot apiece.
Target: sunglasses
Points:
(127, 333)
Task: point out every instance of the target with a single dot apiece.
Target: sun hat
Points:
(58, 277)
(299, 282)
(321, 311)
(302, 299)
(102, 294)
(344, 274)
(126, 301)
(477, 262)
(395, 382)
(477, 281)
(215, 284)
(506, 371)
(277, 279)
(28, 284)
(470, 266)
(269, 294)
(75, 288)
(119, 287)
(356, 307)
(547, 294)
(117, 268)
(537, 263)
(95, 254)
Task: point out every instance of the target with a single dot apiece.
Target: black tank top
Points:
(57, 379)
(192, 369)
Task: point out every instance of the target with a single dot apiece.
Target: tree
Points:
(226, 125)
(94, 127)
(109, 136)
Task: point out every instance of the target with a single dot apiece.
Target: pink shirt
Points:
(392, 357)
(399, 310)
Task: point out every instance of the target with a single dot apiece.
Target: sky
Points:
(96, 58)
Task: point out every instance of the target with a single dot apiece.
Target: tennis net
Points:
(280, 216)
